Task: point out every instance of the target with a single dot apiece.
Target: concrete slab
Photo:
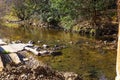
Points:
(13, 47)
(15, 58)
(2, 42)
(1, 64)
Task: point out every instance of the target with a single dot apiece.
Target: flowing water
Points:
(79, 56)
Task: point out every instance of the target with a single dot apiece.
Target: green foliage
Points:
(23, 10)
(67, 22)
(92, 8)
(65, 12)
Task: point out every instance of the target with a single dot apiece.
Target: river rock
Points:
(31, 42)
(70, 76)
(45, 46)
(37, 48)
(39, 41)
(18, 41)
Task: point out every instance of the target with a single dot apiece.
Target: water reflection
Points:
(91, 64)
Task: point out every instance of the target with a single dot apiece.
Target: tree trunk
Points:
(118, 48)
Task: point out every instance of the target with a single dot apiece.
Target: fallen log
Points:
(14, 57)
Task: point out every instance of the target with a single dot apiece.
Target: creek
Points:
(79, 56)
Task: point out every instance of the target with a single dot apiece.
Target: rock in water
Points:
(45, 46)
(31, 42)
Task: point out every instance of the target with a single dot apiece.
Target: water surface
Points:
(79, 57)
